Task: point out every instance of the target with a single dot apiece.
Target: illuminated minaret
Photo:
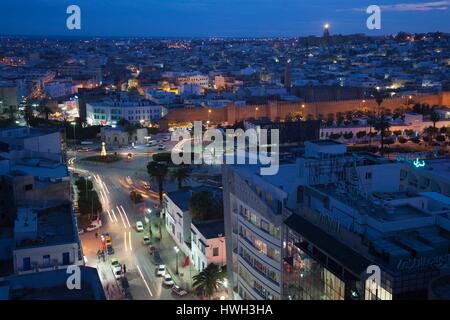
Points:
(288, 75)
(326, 31)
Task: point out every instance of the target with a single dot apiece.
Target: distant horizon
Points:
(221, 19)
(68, 36)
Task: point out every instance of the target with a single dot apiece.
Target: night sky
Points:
(224, 18)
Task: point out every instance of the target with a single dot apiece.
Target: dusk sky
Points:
(199, 18)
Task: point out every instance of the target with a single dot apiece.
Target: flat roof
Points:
(210, 229)
(374, 210)
(54, 227)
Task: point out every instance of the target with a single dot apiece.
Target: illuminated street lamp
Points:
(176, 252)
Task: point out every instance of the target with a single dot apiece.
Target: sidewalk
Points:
(168, 256)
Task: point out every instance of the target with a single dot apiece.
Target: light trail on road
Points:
(145, 281)
(114, 215)
(110, 217)
(121, 217)
(125, 241)
(129, 240)
(126, 216)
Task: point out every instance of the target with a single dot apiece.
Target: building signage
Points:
(417, 264)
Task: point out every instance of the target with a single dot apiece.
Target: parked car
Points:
(156, 257)
(139, 226)
(179, 291)
(168, 281)
(94, 225)
(161, 270)
(161, 147)
(166, 138)
(146, 240)
(116, 268)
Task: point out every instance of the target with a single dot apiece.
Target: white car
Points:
(161, 147)
(166, 138)
(139, 226)
(161, 270)
(168, 281)
(116, 268)
(94, 226)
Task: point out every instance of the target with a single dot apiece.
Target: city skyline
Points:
(200, 18)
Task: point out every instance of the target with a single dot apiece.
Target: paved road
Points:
(114, 182)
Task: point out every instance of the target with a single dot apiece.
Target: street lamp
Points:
(86, 180)
(176, 252)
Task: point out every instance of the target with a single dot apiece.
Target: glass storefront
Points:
(306, 279)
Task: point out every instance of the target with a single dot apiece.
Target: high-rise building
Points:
(326, 222)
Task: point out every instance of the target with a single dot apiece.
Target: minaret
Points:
(326, 31)
(288, 75)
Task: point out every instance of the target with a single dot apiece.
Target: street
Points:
(113, 183)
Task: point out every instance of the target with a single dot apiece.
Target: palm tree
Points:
(181, 174)
(158, 172)
(380, 123)
(209, 280)
(434, 117)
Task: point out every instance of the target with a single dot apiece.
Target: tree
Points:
(335, 136)
(131, 130)
(203, 206)
(434, 117)
(123, 122)
(158, 172)
(209, 280)
(361, 134)
(382, 125)
(180, 174)
(348, 136)
(89, 204)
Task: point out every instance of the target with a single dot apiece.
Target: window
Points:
(368, 175)
(28, 187)
(46, 260)
(215, 252)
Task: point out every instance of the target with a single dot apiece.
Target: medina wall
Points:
(275, 110)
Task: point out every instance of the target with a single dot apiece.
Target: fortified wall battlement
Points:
(279, 110)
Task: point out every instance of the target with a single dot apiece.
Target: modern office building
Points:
(328, 220)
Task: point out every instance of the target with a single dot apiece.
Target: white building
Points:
(195, 78)
(208, 243)
(135, 110)
(202, 241)
(120, 137)
(46, 239)
(254, 206)
(59, 88)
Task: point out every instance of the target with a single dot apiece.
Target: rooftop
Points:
(374, 207)
(210, 229)
(54, 226)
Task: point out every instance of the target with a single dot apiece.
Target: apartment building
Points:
(312, 231)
